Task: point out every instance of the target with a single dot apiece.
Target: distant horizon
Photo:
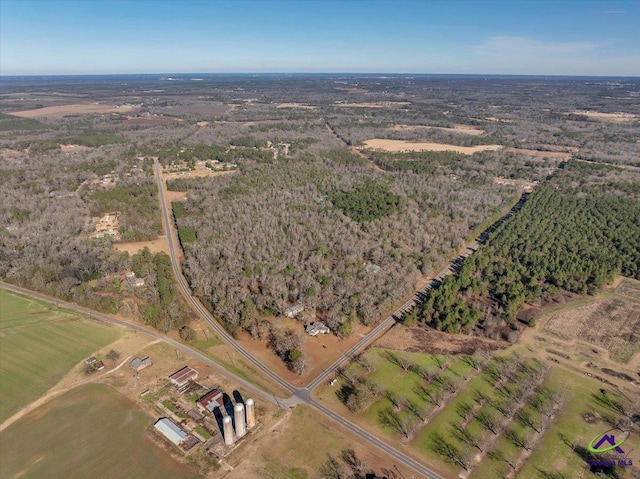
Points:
(319, 73)
(459, 37)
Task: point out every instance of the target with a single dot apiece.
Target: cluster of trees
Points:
(44, 241)
(370, 201)
(347, 465)
(138, 207)
(165, 309)
(243, 148)
(574, 234)
(16, 123)
(287, 343)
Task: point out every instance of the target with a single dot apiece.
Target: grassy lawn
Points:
(295, 455)
(39, 345)
(91, 431)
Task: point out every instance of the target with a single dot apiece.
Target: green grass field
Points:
(91, 431)
(553, 454)
(38, 346)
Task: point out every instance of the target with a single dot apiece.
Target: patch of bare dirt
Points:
(155, 246)
(611, 323)
(403, 146)
(427, 340)
(73, 148)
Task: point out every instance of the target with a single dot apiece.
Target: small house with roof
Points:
(293, 311)
(316, 328)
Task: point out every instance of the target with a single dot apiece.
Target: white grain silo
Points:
(227, 429)
(239, 418)
(251, 413)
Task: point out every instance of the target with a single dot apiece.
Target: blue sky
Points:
(575, 37)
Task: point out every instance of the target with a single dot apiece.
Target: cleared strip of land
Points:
(402, 145)
(75, 109)
(464, 129)
(378, 104)
(296, 105)
(609, 117)
(558, 155)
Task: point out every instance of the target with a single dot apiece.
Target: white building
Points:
(170, 430)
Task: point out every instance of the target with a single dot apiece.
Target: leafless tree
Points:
(441, 446)
(488, 421)
(465, 437)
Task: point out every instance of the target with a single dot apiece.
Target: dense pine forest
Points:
(574, 234)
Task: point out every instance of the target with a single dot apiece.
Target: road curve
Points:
(195, 303)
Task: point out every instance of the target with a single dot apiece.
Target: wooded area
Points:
(574, 234)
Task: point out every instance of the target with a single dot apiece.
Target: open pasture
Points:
(612, 323)
(91, 431)
(402, 145)
(39, 346)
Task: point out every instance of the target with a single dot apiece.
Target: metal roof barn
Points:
(211, 400)
(170, 430)
(179, 378)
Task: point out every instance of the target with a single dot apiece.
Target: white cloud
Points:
(525, 55)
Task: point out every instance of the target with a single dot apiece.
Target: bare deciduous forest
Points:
(310, 215)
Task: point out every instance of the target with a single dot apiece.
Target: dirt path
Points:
(58, 389)
(354, 150)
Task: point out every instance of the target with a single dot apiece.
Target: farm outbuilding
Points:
(182, 376)
(139, 364)
(211, 400)
(170, 430)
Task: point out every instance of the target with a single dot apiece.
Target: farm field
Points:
(39, 346)
(543, 417)
(60, 111)
(91, 431)
(402, 145)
